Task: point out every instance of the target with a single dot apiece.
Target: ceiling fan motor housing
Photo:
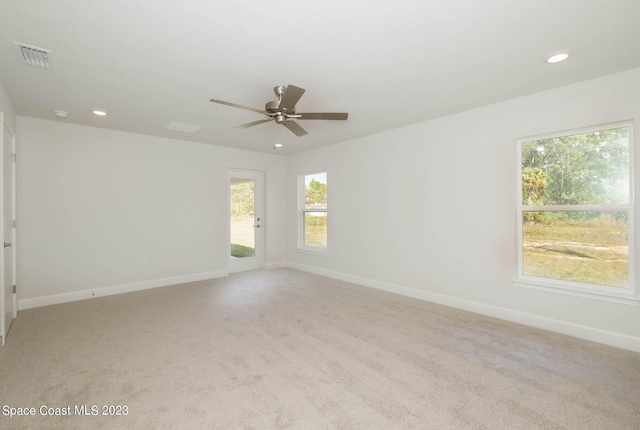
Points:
(273, 106)
(279, 115)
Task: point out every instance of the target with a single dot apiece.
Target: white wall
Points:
(423, 206)
(7, 109)
(92, 201)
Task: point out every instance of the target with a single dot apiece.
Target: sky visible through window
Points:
(320, 177)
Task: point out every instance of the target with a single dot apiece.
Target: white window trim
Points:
(627, 296)
(302, 210)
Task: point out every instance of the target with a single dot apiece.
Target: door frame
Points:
(256, 262)
(4, 330)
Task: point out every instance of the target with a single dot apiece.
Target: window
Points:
(575, 214)
(313, 211)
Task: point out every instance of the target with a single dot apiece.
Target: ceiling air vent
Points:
(33, 56)
(183, 127)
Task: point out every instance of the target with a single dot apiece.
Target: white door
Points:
(7, 271)
(245, 220)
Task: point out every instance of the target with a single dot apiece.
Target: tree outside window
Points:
(575, 208)
(314, 211)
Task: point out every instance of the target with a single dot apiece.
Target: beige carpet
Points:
(288, 350)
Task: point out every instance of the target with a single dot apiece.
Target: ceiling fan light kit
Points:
(282, 111)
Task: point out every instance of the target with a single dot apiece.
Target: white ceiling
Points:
(389, 64)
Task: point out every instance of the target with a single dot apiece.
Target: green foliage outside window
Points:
(589, 168)
(315, 211)
(561, 240)
(316, 194)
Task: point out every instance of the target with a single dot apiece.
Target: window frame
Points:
(302, 210)
(628, 295)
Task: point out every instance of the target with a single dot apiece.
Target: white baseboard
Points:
(55, 299)
(576, 330)
(273, 266)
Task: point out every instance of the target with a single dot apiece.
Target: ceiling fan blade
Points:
(324, 115)
(290, 98)
(295, 128)
(221, 102)
(251, 124)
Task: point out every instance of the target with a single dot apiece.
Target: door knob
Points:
(7, 244)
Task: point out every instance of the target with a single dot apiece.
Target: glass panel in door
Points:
(243, 218)
(245, 224)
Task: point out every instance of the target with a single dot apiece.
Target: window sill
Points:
(559, 287)
(321, 251)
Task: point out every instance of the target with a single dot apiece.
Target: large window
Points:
(313, 211)
(575, 215)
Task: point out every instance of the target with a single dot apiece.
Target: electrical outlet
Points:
(476, 274)
(143, 259)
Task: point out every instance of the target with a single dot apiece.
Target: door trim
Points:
(4, 330)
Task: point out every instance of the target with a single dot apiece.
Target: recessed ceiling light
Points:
(558, 56)
(61, 113)
(278, 145)
(99, 112)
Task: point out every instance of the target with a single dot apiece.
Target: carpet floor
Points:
(284, 349)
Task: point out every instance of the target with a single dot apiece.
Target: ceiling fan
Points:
(283, 110)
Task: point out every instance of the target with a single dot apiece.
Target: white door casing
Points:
(7, 229)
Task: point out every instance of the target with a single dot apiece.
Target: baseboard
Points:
(273, 266)
(55, 299)
(576, 330)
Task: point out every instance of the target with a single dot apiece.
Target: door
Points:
(245, 220)
(7, 271)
